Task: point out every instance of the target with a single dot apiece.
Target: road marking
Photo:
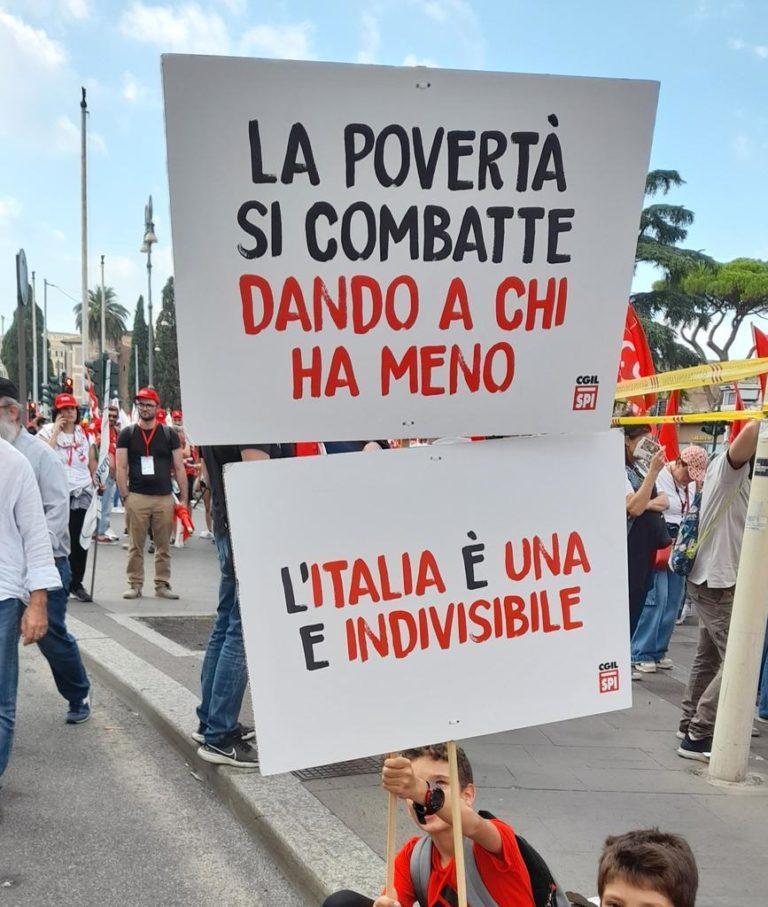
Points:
(157, 639)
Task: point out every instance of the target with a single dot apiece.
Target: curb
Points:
(318, 852)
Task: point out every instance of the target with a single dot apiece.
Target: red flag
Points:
(636, 359)
(736, 427)
(668, 433)
(761, 351)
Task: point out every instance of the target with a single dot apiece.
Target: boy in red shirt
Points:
(420, 776)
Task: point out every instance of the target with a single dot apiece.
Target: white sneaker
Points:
(636, 675)
(665, 663)
(205, 534)
(684, 614)
(646, 667)
(111, 535)
(118, 509)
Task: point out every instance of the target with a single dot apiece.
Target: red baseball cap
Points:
(63, 400)
(148, 393)
(176, 414)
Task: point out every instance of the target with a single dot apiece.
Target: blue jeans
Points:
(107, 501)
(224, 675)
(650, 640)
(762, 702)
(11, 610)
(59, 647)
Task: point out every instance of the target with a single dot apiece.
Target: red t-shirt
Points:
(505, 876)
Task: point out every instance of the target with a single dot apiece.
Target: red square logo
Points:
(609, 681)
(585, 397)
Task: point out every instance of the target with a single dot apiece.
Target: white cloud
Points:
(290, 42)
(742, 146)
(120, 267)
(758, 50)
(76, 9)
(461, 18)
(186, 28)
(10, 209)
(371, 38)
(130, 88)
(413, 60)
(236, 7)
(32, 43)
(435, 9)
(66, 138)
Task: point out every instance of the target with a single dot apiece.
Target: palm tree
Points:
(115, 317)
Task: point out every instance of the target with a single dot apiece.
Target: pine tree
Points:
(140, 342)
(10, 349)
(167, 355)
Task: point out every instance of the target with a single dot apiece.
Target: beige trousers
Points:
(142, 512)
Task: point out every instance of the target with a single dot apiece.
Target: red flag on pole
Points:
(736, 427)
(668, 432)
(636, 360)
(761, 351)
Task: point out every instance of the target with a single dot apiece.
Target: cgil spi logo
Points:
(608, 677)
(585, 392)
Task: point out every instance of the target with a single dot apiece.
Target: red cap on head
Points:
(63, 400)
(161, 416)
(176, 414)
(148, 393)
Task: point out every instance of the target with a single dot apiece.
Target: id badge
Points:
(147, 466)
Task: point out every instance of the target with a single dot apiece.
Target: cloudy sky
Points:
(711, 57)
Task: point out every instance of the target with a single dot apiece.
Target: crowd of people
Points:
(713, 495)
(47, 484)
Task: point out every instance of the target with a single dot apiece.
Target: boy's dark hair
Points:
(652, 860)
(439, 752)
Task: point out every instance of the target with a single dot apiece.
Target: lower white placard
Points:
(406, 597)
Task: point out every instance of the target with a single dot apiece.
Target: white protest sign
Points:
(367, 251)
(406, 597)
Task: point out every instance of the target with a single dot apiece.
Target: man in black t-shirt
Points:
(223, 739)
(147, 455)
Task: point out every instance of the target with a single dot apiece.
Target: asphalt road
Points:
(108, 812)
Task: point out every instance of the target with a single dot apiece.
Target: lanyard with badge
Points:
(148, 462)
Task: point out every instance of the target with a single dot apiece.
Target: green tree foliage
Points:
(662, 228)
(115, 317)
(10, 349)
(167, 352)
(139, 341)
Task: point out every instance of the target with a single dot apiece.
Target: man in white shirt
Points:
(27, 571)
(58, 645)
(711, 585)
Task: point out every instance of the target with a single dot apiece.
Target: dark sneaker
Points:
(79, 712)
(241, 731)
(232, 752)
(695, 749)
(682, 730)
(80, 594)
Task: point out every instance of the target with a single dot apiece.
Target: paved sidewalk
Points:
(564, 786)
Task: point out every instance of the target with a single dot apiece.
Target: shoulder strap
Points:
(421, 867)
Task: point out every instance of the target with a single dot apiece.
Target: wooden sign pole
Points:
(458, 837)
(391, 827)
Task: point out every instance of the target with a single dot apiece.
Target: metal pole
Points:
(21, 333)
(743, 655)
(136, 369)
(151, 357)
(84, 311)
(47, 377)
(35, 386)
(103, 344)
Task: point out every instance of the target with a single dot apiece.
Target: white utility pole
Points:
(84, 313)
(35, 386)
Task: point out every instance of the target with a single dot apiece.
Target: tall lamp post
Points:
(149, 240)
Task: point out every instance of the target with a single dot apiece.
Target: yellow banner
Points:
(698, 376)
(682, 418)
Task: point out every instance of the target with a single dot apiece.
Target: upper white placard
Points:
(406, 597)
(366, 251)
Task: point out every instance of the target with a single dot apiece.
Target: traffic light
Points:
(47, 394)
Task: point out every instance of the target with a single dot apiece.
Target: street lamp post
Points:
(149, 240)
(45, 332)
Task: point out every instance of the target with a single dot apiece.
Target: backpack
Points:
(687, 543)
(546, 891)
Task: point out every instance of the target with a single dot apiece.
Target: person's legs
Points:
(162, 525)
(644, 637)
(137, 510)
(10, 627)
(762, 702)
(78, 555)
(705, 664)
(60, 648)
(668, 615)
(225, 680)
(715, 613)
(106, 505)
(347, 899)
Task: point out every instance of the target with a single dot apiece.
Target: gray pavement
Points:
(564, 786)
(106, 812)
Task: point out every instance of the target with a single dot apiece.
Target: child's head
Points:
(647, 868)
(430, 763)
